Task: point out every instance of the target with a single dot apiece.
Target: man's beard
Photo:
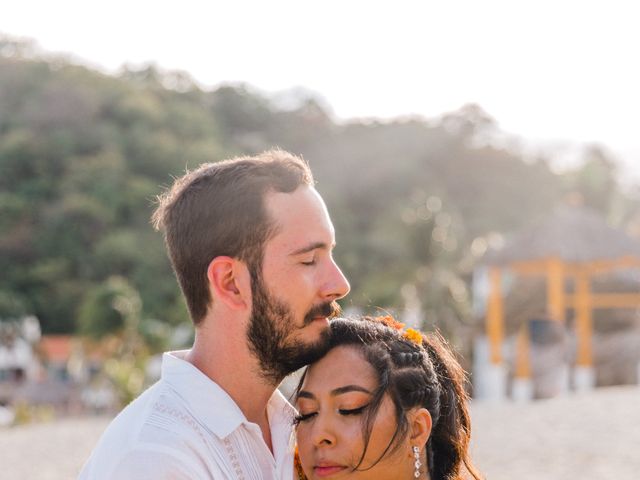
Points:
(271, 323)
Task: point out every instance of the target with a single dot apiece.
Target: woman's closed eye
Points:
(303, 417)
(353, 411)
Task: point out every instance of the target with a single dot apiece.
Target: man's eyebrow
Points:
(311, 247)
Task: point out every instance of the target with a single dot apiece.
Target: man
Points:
(250, 241)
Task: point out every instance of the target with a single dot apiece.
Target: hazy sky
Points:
(555, 71)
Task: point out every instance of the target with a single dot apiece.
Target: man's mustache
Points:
(327, 309)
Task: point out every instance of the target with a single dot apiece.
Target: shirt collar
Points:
(281, 416)
(212, 405)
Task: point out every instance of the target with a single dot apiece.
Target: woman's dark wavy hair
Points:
(414, 376)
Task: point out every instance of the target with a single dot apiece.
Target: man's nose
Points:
(337, 285)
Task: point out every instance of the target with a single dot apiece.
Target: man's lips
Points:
(324, 311)
(325, 469)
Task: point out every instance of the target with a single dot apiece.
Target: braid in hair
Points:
(417, 385)
(451, 434)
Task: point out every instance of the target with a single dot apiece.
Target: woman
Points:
(383, 403)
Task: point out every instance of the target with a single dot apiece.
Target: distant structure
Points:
(55, 371)
(17, 361)
(565, 271)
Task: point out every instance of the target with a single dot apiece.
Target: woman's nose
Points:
(323, 433)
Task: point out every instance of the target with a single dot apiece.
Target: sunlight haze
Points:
(549, 72)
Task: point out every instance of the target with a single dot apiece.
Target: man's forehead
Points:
(275, 199)
(300, 219)
(295, 207)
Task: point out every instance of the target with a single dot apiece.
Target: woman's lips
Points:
(325, 470)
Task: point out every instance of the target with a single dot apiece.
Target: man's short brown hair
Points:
(218, 209)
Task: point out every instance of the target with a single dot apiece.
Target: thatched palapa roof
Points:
(573, 234)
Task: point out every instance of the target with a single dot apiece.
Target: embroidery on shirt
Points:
(234, 458)
(173, 412)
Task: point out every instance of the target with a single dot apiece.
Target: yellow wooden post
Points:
(584, 320)
(495, 316)
(608, 300)
(555, 289)
(523, 354)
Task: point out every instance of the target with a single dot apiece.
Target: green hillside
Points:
(83, 155)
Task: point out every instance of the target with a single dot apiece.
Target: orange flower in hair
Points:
(413, 336)
(391, 322)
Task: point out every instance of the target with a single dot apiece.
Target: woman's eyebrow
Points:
(335, 392)
(305, 394)
(349, 388)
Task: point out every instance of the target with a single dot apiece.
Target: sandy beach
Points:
(594, 436)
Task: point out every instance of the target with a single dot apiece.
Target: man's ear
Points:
(420, 424)
(229, 282)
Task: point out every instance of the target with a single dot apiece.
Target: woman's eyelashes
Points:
(303, 417)
(353, 411)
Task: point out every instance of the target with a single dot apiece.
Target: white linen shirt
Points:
(187, 427)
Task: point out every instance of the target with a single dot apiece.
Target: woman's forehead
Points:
(343, 365)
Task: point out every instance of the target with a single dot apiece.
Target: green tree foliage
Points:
(107, 307)
(595, 180)
(83, 155)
